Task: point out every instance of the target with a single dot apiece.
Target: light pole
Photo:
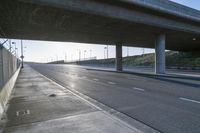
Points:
(66, 57)
(104, 52)
(107, 51)
(16, 53)
(127, 51)
(56, 59)
(143, 51)
(90, 54)
(72, 57)
(84, 53)
(79, 54)
(22, 54)
(15, 50)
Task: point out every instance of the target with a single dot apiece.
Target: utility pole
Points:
(22, 55)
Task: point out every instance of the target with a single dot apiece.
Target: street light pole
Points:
(56, 59)
(72, 57)
(90, 54)
(84, 53)
(22, 55)
(79, 54)
(66, 57)
(104, 52)
(143, 51)
(107, 51)
(127, 51)
(15, 51)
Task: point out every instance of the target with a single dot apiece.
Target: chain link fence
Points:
(8, 65)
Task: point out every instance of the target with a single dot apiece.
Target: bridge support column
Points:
(118, 60)
(160, 54)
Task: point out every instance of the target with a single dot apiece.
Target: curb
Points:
(149, 74)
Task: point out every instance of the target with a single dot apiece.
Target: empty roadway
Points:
(170, 105)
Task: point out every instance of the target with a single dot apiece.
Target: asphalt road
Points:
(170, 105)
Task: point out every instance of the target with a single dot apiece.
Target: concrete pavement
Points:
(38, 105)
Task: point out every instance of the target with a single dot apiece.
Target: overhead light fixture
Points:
(194, 39)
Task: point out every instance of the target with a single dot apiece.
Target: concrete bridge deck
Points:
(130, 22)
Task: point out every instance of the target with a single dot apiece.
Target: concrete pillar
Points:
(160, 54)
(118, 60)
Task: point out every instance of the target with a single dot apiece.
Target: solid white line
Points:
(139, 89)
(112, 83)
(190, 100)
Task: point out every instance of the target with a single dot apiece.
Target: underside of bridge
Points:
(158, 24)
(44, 20)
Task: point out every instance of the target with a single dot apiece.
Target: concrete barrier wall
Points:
(8, 65)
(6, 91)
(9, 70)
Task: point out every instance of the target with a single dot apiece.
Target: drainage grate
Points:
(22, 112)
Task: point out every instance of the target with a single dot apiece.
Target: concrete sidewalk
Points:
(38, 105)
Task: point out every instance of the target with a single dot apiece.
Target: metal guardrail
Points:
(8, 65)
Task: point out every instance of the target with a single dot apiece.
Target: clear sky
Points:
(43, 51)
(190, 3)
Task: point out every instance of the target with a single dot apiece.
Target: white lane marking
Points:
(112, 83)
(96, 79)
(189, 100)
(138, 89)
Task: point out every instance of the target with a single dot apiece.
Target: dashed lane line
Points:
(96, 79)
(112, 83)
(138, 89)
(189, 100)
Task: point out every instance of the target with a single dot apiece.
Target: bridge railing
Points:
(8, 65)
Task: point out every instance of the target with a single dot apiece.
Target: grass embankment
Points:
(173, 59)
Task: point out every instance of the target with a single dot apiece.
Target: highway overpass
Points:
(159, 24)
